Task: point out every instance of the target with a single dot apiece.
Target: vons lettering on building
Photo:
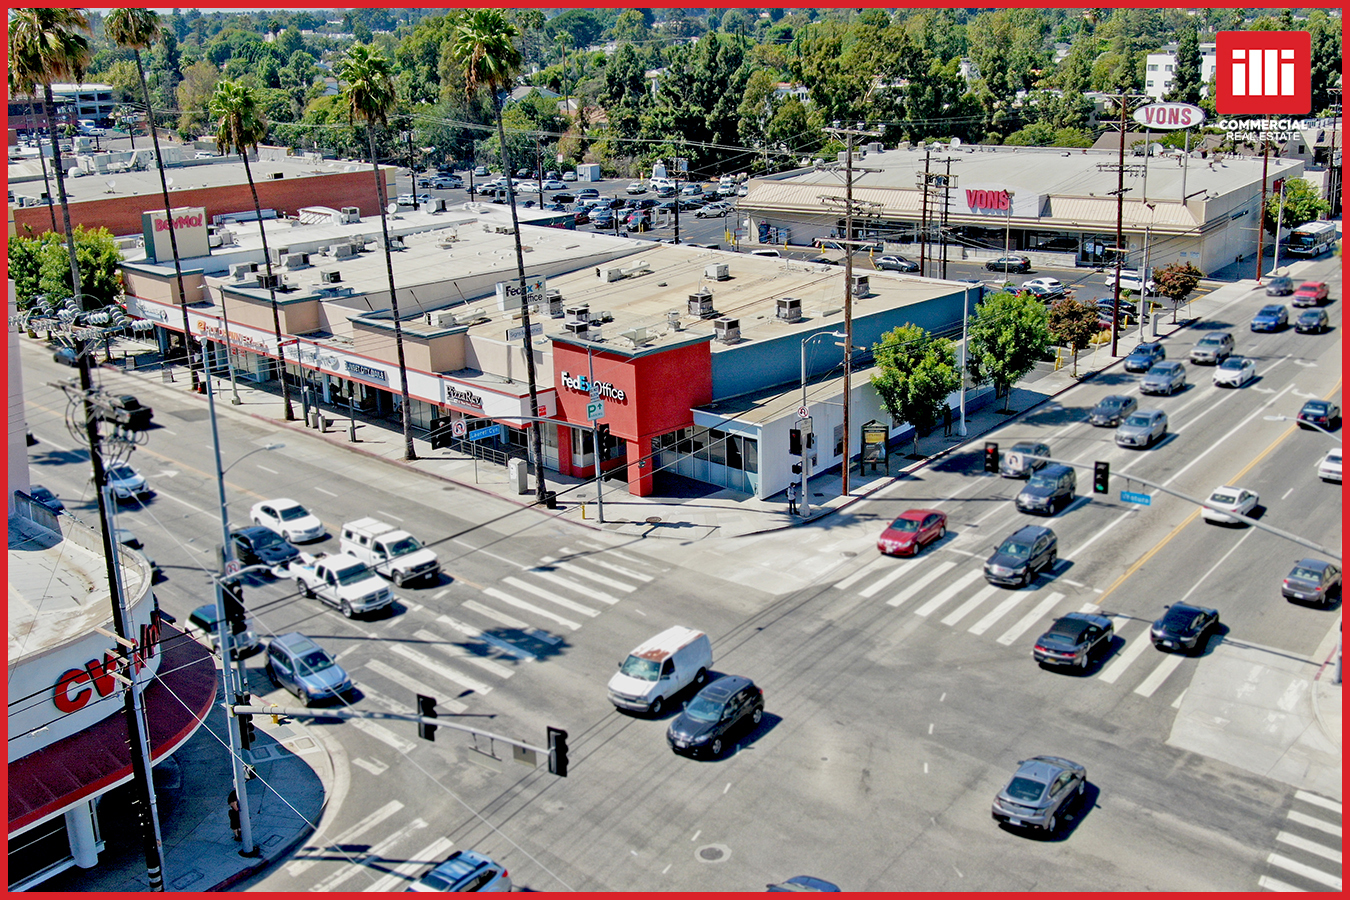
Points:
(988, 200)
(1263, 73)
(582, 384)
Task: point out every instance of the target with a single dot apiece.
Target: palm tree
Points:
(17, 87)
(240, 126)
(369, 95)
(484, 46)
(138, 29)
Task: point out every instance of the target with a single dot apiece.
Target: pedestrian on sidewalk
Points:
(947, 421)
(792, 499)
(233, 803)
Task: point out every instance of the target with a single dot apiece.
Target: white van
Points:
(660, 668)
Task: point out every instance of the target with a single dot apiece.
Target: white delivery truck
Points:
(390, 551)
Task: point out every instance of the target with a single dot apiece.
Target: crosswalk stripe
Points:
(551, 597)
(949, 592)
(583, 590)
(1277, 886)
(384, 701)
(1133, 650)
(969, 606)
(469, 631)
(877, 586)
(1308, 846)
(432, 853)
(460, 654)
(380, 733)
(597, 561)
(521, 604)
(625, 557)
(586, 573)
(997, 613)
(859, 575)
(495, 615)
(439, 668)
(1315, 800)
(920, 584)
(1302, 819)
(351, 834)
(1306, 871)
(1176, 704)
(1015, 632)
(374, 853)
(1159, 674)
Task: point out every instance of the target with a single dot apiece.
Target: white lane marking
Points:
(1225, 440)
(1304, 819)
(489, 553)
(458, 653)
(1078, 551)
(551, 597)
(1315, 800)
(1176, 704)
(160, 493)
(405, 681)
(997, 613)
(439, 594)
(949, 592)
(380, 733)
(270, 471)
(581, 589)
(919, 585)
(412, 607)
(492, 640)
(322, 491)
(439, 668)
(586, 573)
(428, 855)
(1015, 632)
(530, 607)
(595, 560)
(58, 447)
(376, 852)
(1204, 578)
(388, 515)
(859, 575)
(374, 767)
(1274, 885)
(1159, 674)
(1286, 494)
(877, 586)
(1132, 651)
(969, 606)
(347, 837)
(1308, 846)
(495, 615)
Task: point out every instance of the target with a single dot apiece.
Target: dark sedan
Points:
(45, 496)
(1184, 627)
(1038, 792)
(66, 356)
(720, 710)
(1312, 321)
(1009, 264)
(259, 546)
(911, 531)
(1111, 411)
(1319, 414)
(1313, 581)
(1073, 640)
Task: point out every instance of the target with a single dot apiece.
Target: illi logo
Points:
(1263, 73)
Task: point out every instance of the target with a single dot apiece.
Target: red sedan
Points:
(911, 530)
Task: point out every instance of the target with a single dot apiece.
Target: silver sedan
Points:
(1235, 371)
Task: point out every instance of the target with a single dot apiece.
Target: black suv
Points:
(1027, 551)
(720, 709)
(1111, 411)
(1049, 490)
(256, 545)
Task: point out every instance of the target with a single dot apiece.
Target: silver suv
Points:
(305, 669)
(1213, 348)
(1142, 429)
(1164, 378)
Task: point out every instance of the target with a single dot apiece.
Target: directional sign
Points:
(1132, 497)
(490, 431)
(595, 410)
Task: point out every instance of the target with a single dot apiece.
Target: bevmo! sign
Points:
(188, 225)
(1169, 116)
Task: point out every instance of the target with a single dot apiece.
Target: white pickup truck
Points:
(341, 581)
(390, 551)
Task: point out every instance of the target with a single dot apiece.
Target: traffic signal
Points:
(602, 440)
(796, 468)
(1101, 478)
(235, 614)
(795, 441)
(991, 457)
(557, 751)
(426, 707)
(246, 730)
(440, 432)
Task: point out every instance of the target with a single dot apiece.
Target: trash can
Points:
(551, 499)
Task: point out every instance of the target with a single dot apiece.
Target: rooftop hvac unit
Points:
(239, 271)
(576, 314)
(396, 243)
(296, 260)
(437, 204)
(269, 282)
(609, 273)
(213, 240)
(577, 329)
(789, 309)
(861, 286)
(717, 272)
(442, 318)
(278, 253)
(555, 303)
(593, 333)
(701, 304)
(875, 146)
(673, 320)
(276, 176)
(638, 336)
(332, 277)
(350, 215)
(342, 251)
(728, 331)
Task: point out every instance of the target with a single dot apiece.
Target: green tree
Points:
(1326, 61)
(17, 87)
(1186, 82)
(1302, 204)
(368, 93)
(41, 269)
(631, 27)
(194, 94)
(916, 373)
(1175, 282)
(1007, 335)
(484, 46)
(1074, 323)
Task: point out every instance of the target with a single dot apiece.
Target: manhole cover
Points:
(712, 853)
(653, 520)
(849, 554)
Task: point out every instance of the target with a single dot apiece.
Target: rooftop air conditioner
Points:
(555, 303)
(717, 272)
(266, 282)
(789, 309)
(278, 253)
(332, 277)
(350, 215)
(296, 260)
(396, 243)
(576, 314)
(343, 250)
(701, 304)
(673, 319)
(442, 318)
(638, 336)
(239, 271)
(609, 273)
(577, 329)
(728, 331)
(861, 286)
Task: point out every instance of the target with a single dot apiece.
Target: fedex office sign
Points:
(1263, 73)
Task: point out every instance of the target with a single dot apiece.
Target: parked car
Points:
(1074, 639)
(406, 200)
(1110, 410)
(1213, 348)
(1024, 553)
(1319, 414)
(447, 182)
(554, 184)
(1270, 318)
(1312, 580)
(1311, 293)
(564, 197)
(691, 190)
(465, 870)
(1009, 264)
(125, 483)
(720, 711)
(911, 531)
(45, 496)
(1164, 378)
(637, 187)
(302, 667)
(665, 190)
(423, 199)
(1016, 462)
(1279, 286)
(1127, 312)
(1045, 288)
(255, 545)
(203, 619)
(581, 216)
(1131, 281)
(480, 172)
(289, 519)
(586, 193)
(1312, 321)
(1142, 428)
(1235, 371)
(1227, 500)
(690, 203)
(1184, 627)
(602, 217)
(713, 210)
(896, 264)
(1143, 357)
(1038, 792)
(66, 356)
(569, 176)
(1329, 468)
(1048, 491)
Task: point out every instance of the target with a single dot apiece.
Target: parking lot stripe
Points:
(919, 585)
(1159, 674)
(1015, 632)
(949, 592)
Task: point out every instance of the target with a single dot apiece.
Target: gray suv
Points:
(1164, 378)
(1214, 348)
(1049, 490)
(1027, 551)
(1142, 429)
(305, 669)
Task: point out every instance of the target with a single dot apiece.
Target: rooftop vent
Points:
(240, 271)
(555, 303)
(330, 277)
(717, 272)
(673, 319)
(861, 286)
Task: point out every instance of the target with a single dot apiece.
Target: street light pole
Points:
(806, 456)
(965, 337)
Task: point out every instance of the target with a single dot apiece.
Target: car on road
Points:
(1213, 348)
(1048, 491)
(1074, 639)
(1142, 428)
(1319, 414)
(302, 667)
(1312, 321)
(203, 619)
(803, 883)
(1311, 293)
(1044, 288)
(1017, 462)
(465, 870)
(289, 519)
(1184, 627)
(125, 483)
(718, 712)
(896, 264)
(1009, 264)
(1235, 371)
(714, 210)
(1228, 500)
(45, 496)
(1024, 553)
(1329, 467)
(1110, 410)
(911, 531)
(66, 356)
(255, 545)
(1143, 357)
(1272, 317)
(1038, 792)
(1164, 378)
(1312, 580)
(637, 187)
(1279, 286)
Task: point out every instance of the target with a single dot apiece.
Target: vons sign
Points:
(188, 225)
(1169, 116)
(988, 200)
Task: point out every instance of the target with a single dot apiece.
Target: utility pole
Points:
(1261, 210)
(1123, 99)
(923, 218)
(946, 205)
